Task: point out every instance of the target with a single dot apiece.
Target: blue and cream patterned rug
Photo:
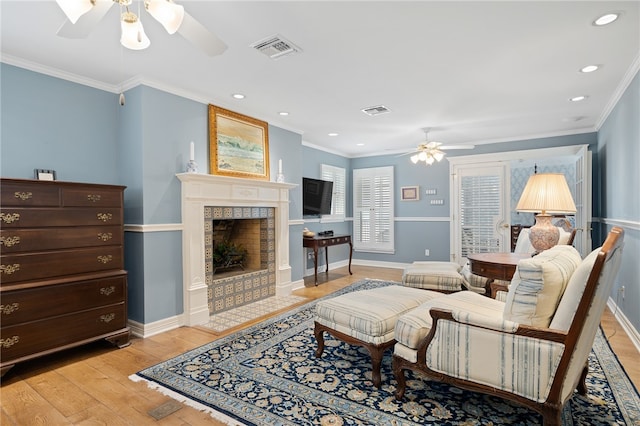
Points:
(268, 375)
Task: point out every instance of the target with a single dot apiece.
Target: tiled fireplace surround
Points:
(243, 197)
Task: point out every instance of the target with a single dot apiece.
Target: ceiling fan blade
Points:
(407, 153)
(197, 34)
(87, 22)
(448, 147)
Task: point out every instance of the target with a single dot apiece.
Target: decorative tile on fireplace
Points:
(229, 292)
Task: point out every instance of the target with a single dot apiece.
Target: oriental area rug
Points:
(268, 374)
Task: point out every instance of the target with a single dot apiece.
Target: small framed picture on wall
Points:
(42, 174)
(410, 193)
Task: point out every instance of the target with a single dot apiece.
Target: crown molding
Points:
(622, 87)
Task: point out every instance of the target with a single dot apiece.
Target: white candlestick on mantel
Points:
(280, 166)
(192, 152)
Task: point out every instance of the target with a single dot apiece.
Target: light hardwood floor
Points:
(90, 385)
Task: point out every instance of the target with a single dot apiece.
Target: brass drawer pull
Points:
(9, 241)
(23, 195)
(9, 269)
(105, 236)
(10, 217)
(107, 318)
(7, 343)
(105, 259)
(93, 197)
(107, 290)
(10, 308)
(104, 216)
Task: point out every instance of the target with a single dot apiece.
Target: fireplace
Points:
(239, 256)
(246, 199)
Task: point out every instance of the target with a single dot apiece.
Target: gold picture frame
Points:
(238, 145)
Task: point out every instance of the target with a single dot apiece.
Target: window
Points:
(373, 224)
(337, 175)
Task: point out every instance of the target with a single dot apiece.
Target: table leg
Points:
(350, 256)
(315, 263)
(326, 257)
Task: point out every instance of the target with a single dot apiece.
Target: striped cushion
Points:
(370, 315)
(538, 285)
(413, 326)
(440, 276)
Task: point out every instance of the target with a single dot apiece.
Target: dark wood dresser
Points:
(62, 277)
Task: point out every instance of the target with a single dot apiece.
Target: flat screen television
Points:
(316, 196)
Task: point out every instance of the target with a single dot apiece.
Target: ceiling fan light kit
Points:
(133, 37)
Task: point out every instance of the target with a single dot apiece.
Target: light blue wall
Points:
(618, 187)
(287, 146)
(419, 224)
(48, 123)
(312, 160)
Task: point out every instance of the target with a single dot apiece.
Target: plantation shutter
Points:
(480, 201)
(373, 220)
(337, 175)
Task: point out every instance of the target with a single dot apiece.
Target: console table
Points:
(326, 241)
(495, 266)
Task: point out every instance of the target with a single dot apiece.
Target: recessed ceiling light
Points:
(283, 113)
(589, 68)
(578, 98)
(606, 19)
(360, 144)
(238, 96)
(333, 134)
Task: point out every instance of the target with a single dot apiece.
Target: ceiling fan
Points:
(432, 151)
(84, 15)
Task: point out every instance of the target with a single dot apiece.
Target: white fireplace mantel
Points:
(200, 191)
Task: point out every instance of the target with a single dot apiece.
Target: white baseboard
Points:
(379, 264)
(624, 322)
(153, 328)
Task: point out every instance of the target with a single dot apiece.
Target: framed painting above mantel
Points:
(238, 145)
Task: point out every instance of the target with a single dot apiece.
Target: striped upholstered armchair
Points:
(531, 349)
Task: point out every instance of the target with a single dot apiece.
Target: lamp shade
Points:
(546, 193)
(166, 12)
(74, 9)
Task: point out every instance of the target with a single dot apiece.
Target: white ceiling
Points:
(475, 72)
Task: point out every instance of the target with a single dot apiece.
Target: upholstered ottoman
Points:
(439, 276)
(367, 318)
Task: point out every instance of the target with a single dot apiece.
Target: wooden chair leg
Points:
(398, 373)
(582, 383)
(317, 332)
(376, 364)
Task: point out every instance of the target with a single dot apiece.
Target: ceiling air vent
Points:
(376, 110)
(276, 47)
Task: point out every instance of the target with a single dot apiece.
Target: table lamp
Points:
(545, 193)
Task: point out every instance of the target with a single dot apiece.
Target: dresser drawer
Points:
(29, 194)
(40, 265)
(37, 218)
(37, 336)
(40, 239)
(91, 197)
(53, 300)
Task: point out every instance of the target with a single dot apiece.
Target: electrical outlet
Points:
(622, 292)
(426, 252)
